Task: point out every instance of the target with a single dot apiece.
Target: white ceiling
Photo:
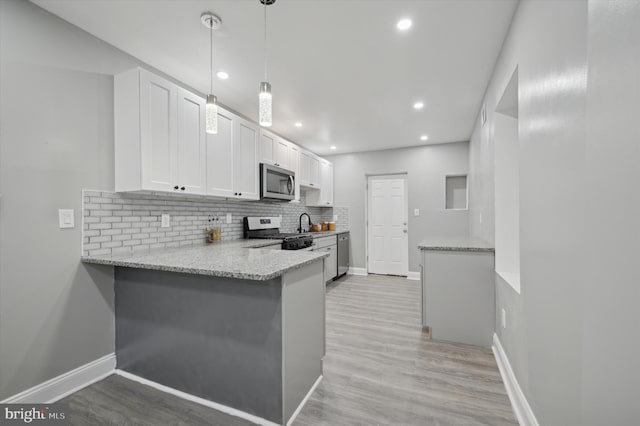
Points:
(338, 66)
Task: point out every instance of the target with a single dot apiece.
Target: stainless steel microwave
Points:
(277, 183)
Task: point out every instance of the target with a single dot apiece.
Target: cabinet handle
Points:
(235, 193)
(176, 187)
(182, 189)
(240, 194)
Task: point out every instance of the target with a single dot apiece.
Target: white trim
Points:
(219, 407)
(357, 271)
(520, 405)
(413, 275)
(511, 278)
(304, 401)
(65, 384)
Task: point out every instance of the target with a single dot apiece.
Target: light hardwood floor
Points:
(380, 369)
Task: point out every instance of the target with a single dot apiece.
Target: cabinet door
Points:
(282, 153)
(220, 157)
(192, 174)
(314, 171)
(245, 163)
(305, 168)
(294, 165)
(268, 143)
(331, 263)
(326, 183)
(158, 133)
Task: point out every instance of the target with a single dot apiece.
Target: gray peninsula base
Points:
(255, 346)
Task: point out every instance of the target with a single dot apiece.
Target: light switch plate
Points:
(166, 221)
(66, 218)
(229, 218)
(416, 212)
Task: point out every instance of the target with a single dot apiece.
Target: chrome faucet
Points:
(308, 221)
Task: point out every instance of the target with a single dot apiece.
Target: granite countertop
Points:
(455, 244)
(243, 259)
(327, 233)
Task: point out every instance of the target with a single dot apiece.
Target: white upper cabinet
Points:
(322, 195)
(192, 174)
(232, 158)
(274, 150)
(326, 183)
(282, 154)
(159, 135)
(220, 157)
(268, 142)
(245, 163)
(309, 169)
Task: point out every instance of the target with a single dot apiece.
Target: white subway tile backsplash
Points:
(121, 222)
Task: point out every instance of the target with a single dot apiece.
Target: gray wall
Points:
(427, 167)
(610, 372)
(56, 138)
(570, 333)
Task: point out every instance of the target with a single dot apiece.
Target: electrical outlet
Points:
(166, 221)
(229, 218)
(416, 212)
(504, 318)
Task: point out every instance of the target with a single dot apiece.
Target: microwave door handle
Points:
(291, 185)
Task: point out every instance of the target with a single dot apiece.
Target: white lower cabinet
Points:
(329, 245)
(232, 158)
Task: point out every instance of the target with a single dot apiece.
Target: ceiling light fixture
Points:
(298, 124)
(212, 22)
(418, 105)
(222, 75)
(424, 137)
(332, 147)
(404, 24)
(265, 101)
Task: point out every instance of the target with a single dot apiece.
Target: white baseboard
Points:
(357, 271)
(411, 275)
(65, 384)
(520, 405)
(219, 407)
(304, 401)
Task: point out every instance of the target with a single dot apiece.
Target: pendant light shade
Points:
(212, 22)
(265, 101)
(212, 114)
(265, 105)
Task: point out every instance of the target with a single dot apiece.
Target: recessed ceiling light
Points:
(424, 137)
(404, 24)
(298, 124)
(418, 105)
(332, 147)
(222, 75)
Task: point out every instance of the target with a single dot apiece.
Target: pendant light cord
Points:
(211, 54)
(265, 41)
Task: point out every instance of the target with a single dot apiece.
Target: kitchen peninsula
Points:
(230, 322)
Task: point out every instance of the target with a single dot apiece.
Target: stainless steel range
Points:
(269, 228)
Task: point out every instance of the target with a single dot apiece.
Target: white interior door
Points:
(387, 230)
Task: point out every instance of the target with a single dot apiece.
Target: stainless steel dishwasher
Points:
(343, 254)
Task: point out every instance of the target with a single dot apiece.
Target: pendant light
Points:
(212, 22)
(265, 114)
